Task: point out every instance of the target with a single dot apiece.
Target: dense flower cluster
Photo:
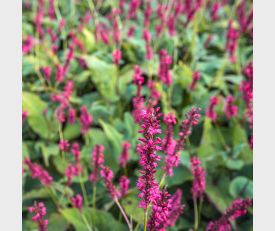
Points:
(230, 110)
(165, 61)
(77, 201)
(97, 162)
(210, 110)
(107, 175)
(198, 185)
(124, 157)
(37, 172)
(238, 208)
(124, 185)
(85, 119)
(172, 157)
(40, 212)
(195, 78)
(147, 184)
(232, 37)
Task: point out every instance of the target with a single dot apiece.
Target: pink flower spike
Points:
(37, 172)
(210, 110)
(24, 116)
(85, 120)
(163, 72)
(124, 157)
(195, 78)
(230, 110)
(40, 212)
(198, 186)
(71, 116)
(97, 162)
(124, 185)
(108, 176)
(64, 145)
(77, 202)
(46, 72)
(116, 57)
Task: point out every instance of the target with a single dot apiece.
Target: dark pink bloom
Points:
(147, 149)
(160, 212)
(245, 20)
(165, 62)
(215, 11)
(76, 42)
(172, 157)
(59, 73)
(70, 172)
(77, 202)
(124, 185)
(176, 208)
(232, 37)
(24, 116)
(124, 157)
(116, 31)
(171, 24)
(97, 162)
(102, 33)
(138, 100)
(147, 14)
(133, 7)
(238, 208)
(147, 38)
(69, 58)
(85, 120)
(230, 110)
(82, 63)
(39, 18)
(198, 186)
(116, 57)
(64, 145)
(107, 175)
(40, 212)
(76, 151)
(195, 78)
(59, 114)
(168, 143)
(155, 94)
(210, 110)
(27, 44)
(131, 31)
(51, 11)
(71, 116)
(37, 172)
(46, 72)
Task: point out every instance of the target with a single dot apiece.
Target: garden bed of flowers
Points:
(137, 115)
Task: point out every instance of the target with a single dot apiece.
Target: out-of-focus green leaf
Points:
(72, 131)
(241, 187)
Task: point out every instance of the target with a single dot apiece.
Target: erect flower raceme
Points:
(232, 37)
(107, 175)
(64, 145)
(172, 158)
(116, 57)
(24, 116)
(40, 212)
(160, 212)
(124, 156)
(70, 172)
(198, 185)
(164, 72)
(230, 110)
(123, 185)
(37, 172)
(238, 208)
(46, 71)
(210, 110)
(71, 116)
(176, 208)
(147, 149)
(195, 78)
(85, 120)
(77, 202)
(138, 100)
(97, 162)
(215, 11)
(27, 44)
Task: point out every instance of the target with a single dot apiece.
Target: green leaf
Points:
(101, 220)
(57, 223)
(72, 131)
(38, 122)
(104, 76)
(241, 186)
(36, 194)
(183, 75)
(131, 206)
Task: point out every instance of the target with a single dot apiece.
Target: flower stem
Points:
(84, 192)
(196, 224)
(124, 214)
(94, 195)
(86, 222)
(145, 219)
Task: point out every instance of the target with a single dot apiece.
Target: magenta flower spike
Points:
(77, 202)
(198, 185)
(97, 162)
(40, 212)
(107, 175)
(123, 185)
(85, 120)
(124, 157)
(147, 149)
(210, 110)
(230, 109)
